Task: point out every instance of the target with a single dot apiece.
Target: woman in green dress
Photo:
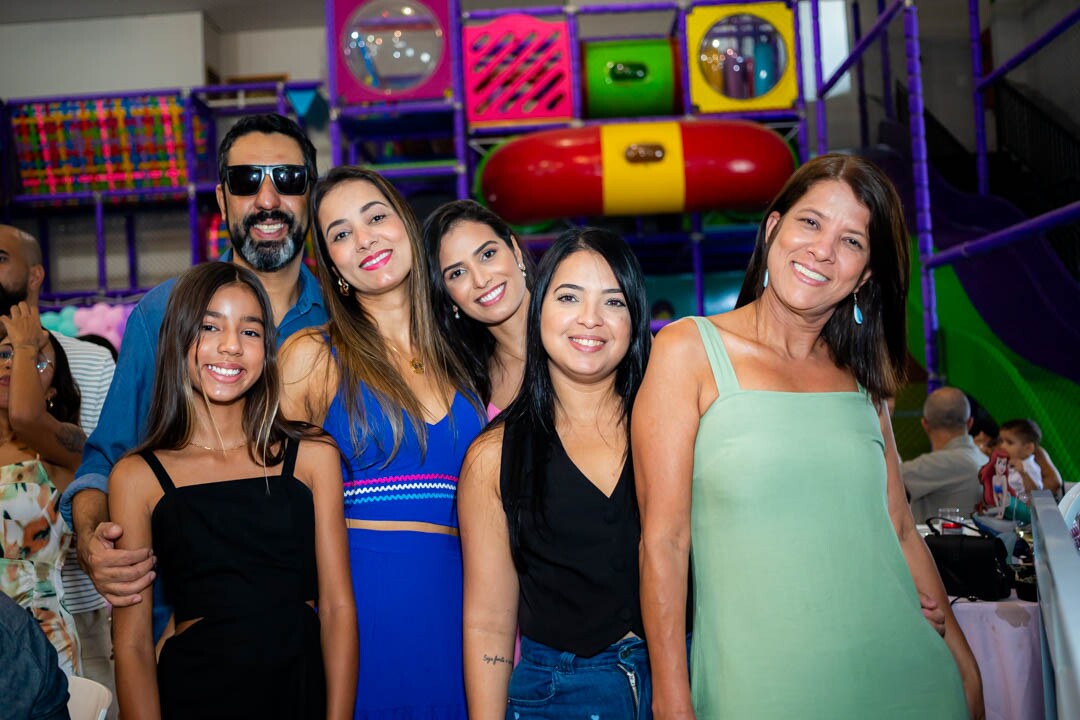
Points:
(806, 563)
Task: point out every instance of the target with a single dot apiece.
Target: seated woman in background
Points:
(243, 510)
(548, 511)
(39, 453)
(755, 427)
(480, 280)
(383, 382)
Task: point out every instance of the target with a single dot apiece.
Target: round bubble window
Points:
(742, 56)
(392, 45)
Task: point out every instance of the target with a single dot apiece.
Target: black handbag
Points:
(971, 567)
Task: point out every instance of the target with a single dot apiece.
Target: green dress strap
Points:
(723, 372)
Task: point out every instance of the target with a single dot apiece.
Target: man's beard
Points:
(11, 298)
(267, 255)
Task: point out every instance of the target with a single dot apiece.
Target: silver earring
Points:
(765, 282)
(521, 267)
(857, 312)
(456, 316)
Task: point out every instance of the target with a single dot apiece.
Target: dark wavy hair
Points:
(361, 354)
(876, 351)
(171, 420)
(67, 400)
(529, 422)
(469, 339)
(268, 124)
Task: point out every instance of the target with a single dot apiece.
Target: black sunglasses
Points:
(247, 179)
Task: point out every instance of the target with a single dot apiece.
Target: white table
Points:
(1005, 637)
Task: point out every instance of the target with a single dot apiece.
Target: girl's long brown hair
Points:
(172, 419)
(362, 355)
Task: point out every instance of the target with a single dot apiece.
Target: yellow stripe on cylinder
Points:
(642, 168)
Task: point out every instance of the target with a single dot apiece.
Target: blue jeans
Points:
(615, 684)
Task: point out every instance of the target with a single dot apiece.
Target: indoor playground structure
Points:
(679, 136)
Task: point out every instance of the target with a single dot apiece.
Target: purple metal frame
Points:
(920, 173)
(820, 120)
(800, 97)
(981, 82)
(860, 78)
(879, 28)
(1006, 236)
(1011, 234)
(886, 69)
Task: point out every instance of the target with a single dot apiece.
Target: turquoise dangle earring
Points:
(857, 312)
(765, 282)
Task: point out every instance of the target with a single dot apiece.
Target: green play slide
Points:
(976, 361)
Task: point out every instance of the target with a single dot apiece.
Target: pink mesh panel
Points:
(517, 68)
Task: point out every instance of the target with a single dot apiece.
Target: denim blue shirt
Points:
(122, 424)
(32, 684)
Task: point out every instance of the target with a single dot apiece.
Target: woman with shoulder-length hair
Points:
(381, 379)
(243, 510)
(548, 512)
(480, 283)
(752, 424)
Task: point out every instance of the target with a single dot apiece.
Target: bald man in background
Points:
(948, 475)
(22, 274)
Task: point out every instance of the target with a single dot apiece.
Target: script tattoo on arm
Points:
(497, 660)
(71, 438)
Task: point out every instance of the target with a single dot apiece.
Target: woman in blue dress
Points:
(380, 378)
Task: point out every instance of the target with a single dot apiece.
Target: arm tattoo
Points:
(497, 660)
(71, 438)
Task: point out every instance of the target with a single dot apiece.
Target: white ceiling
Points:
(226, 15)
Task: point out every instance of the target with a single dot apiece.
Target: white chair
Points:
(1070, 505)
(87, 699)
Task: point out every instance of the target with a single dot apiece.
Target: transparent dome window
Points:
(742, 57)
(393, 45)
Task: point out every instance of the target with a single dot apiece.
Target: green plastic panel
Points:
(629, 78)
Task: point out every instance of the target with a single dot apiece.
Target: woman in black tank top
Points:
(546, 503)
(244, 512)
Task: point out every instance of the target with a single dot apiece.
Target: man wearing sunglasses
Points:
(266, 167)
(22, 274)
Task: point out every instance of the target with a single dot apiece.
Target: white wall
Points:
(101, 55)
(299, 53)
(212, 47)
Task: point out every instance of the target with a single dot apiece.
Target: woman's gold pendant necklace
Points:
(416, 364)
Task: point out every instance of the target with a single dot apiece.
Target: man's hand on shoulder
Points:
(119, 575)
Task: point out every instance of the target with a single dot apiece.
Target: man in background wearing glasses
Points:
(266, 167)
(22, 274)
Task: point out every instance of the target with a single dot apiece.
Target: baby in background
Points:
(1030, 467)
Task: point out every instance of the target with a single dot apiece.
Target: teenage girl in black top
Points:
(244, 512)
(547, 510)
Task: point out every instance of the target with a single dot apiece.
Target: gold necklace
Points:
(416, 364)
(214, 449)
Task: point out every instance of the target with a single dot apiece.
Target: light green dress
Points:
(803, 604)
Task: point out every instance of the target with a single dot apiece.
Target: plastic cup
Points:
(951, 521)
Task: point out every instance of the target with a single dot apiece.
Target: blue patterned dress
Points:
(407, 584)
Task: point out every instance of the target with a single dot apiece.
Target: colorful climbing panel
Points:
(99, 144)
(518, 68)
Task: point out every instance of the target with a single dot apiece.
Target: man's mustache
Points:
(266, 216)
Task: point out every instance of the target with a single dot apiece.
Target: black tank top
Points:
(225, 548)
(579, 585)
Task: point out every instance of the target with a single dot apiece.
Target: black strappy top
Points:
(579, 588)
(224, 548)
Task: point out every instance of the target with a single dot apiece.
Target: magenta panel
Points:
(517, 68)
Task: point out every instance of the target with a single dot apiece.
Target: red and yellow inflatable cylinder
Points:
(636, 169)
